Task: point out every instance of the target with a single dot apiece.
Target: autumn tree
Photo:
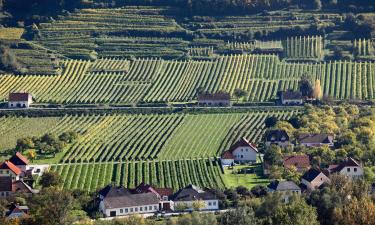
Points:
(317, 91)
(360, 211)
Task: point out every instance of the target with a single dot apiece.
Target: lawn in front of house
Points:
(255, 177)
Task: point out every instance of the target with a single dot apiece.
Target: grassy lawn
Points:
(231, 179)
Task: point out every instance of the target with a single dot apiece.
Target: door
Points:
(112, 213)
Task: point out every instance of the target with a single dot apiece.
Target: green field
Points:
(232, 179)
(153, 80)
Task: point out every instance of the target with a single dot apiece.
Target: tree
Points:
(273, 156)
(305, 86)
(181, 207)
(31, 154)
(238, 216)
(198, 205)
(239, 93)
(270, 121)
(296, 212)
(52, 206)
(360, 211)
(317, 92)
(68, 137)
(50, 179)
(317, 4)
(23, 144)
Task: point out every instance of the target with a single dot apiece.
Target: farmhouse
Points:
(9, 187)
(20, 100)
(300, 162)
(242, 151)
(8, 169)
(313, 179)
(291, 98)
(20, 161)
(286, 188)
(162, 193)
(349, 167)
(277, 137)
(216, 99)
(118, 201)
(186, 197)
(316, 140)
(17, 211)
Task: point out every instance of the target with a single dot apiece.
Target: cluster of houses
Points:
(146, 199)
(245, 152)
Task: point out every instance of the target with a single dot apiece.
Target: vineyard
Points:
(172, 173)
(155, 80)
(116, 137)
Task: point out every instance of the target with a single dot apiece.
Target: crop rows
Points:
(364, 47)
(154, 80)
(172, 173)
(300, 48)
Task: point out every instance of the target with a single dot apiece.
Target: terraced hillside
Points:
(172, 173)
(154, 80)
(116, 137)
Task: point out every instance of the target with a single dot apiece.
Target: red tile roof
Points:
(19, 159)
(299, 161)
(227, 155)
(242, 143)
(19, 97)
(10, 166)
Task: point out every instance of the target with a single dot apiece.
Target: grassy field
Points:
(232, 179)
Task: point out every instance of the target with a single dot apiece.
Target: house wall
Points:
(319, 180)
(129, 210)
(4, 194)
(226, 162)
(244, 154)
(7, 173)
(37, 169)
(20, 104)
(209, 204)
(349, 171)
(291, 101)
(215, 102)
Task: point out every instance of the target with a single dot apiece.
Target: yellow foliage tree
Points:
(317, 91)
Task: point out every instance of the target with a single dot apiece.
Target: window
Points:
(140, 209)
(355, 169)
(121, 211)
(136, 209)
(348, 169)
(131, 209)
(126, 210)
(150, 208)
(145, 208)
(155, 208)
(11, 105)
(214, 203)
(209, 203)
(241, 156)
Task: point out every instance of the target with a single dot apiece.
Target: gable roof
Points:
(192, 193)
(299, 161)
(111, 191)
(19, 159)
(277, 135)
(131, 200)
(215, 96)
(227, 155)
(283, 185)
(164, 191)
(346, 163)
(5, 183)
(19, 97)
(7, 165)
(243, 142)
(311, 174)
(144, 188)
(20, 186)
(291, 95)
(315, 138)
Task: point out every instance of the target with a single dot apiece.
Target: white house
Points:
(118, 201)
(216, 99)
(349, 167)
(313, 179)
(316, 140)
(20, 100)
(285, 188)
(291, 98)
(277, 137)
(187, 196)
(8, 169)
(242, 151)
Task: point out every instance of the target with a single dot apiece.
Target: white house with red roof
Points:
(8, 169)
(241, 152)
(20, 161)
(20, 100)
(348, 167)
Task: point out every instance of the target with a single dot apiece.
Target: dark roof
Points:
(242, 143)
(311, 174)
(277, 135)
(6, 183)
(16, 97)
(316, 138)
(144, 188)
(20, 186)
(299, 161)
(192, 193)
(19, 159)
(283, 185)
(10, 166)
(291, 95)
(347, 162)
(131, 200)
(164, 191)
(215, 96)
(111, 191)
